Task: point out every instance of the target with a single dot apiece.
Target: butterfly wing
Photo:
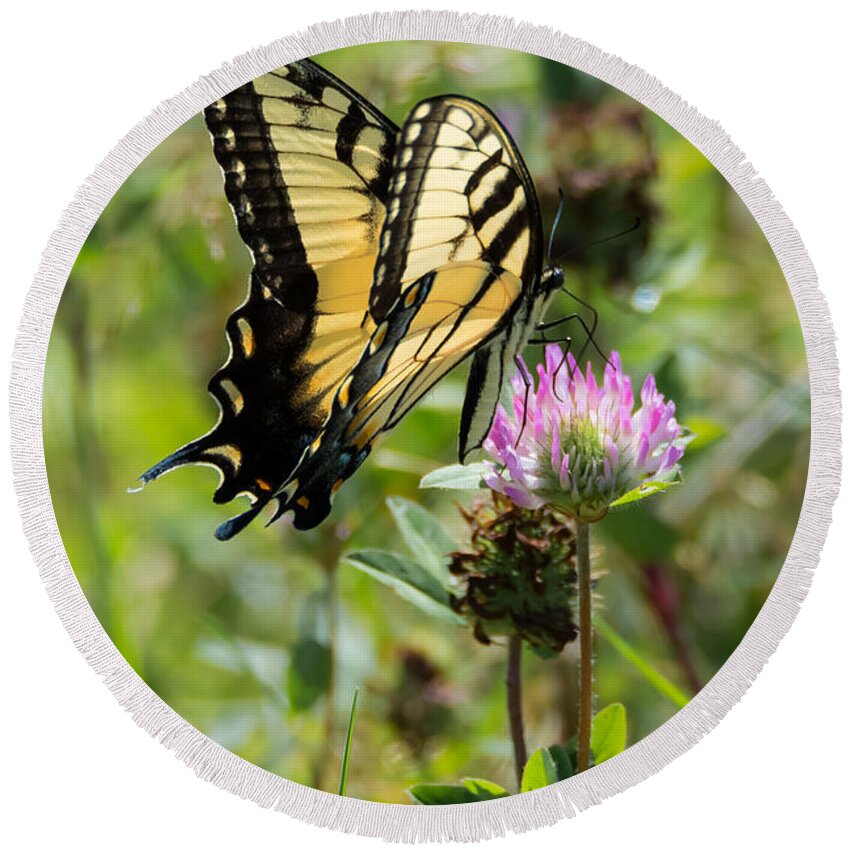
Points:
(459, 254)
(494, 361)
(460, 192)
(307, 165)
(436, 323)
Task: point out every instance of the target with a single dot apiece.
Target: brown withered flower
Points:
(520, 577)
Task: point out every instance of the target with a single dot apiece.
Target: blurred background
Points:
(260, 642)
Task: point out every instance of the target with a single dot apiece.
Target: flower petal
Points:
(570, 439)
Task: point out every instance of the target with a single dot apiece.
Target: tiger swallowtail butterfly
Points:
(383, 257)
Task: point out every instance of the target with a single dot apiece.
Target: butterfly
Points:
(384, 256)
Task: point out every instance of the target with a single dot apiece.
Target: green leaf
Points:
(608, 732)
(441, 795)
(349, 737)
(424, 535)
(563, 760)
(472, 791)
(482, 789)
(409, 579)
(658, 681)
(539, 772)
(308, 675)
(456, 477)
(705, 431)
(544, 652)
(641, 492)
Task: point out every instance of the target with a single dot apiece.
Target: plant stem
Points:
(585, 630)
(514, 689)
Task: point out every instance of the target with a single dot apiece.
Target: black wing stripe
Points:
(507, 237)
(387, 285)
(498, 200)
(494, 161)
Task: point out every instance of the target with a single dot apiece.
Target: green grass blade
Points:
(343, 773)
(658, 680)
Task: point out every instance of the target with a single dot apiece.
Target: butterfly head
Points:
(552, 279)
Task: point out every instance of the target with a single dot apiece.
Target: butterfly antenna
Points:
(635, 225)
(561, 201)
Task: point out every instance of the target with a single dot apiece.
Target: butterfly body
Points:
(383, 258)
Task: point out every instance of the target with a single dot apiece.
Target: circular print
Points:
(488, 410)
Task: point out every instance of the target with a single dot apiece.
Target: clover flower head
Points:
(580, 445)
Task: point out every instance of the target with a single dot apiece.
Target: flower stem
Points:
(514, 690)
(585, 630)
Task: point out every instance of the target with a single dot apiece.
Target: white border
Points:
(395, 822)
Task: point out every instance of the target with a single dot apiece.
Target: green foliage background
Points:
(236, 637)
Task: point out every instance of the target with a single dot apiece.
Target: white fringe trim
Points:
(467, 822)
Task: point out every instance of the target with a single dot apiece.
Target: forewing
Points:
(306, 165)
(460, 192)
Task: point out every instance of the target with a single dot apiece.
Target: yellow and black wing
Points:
(307, 164)
(459, 256)
(459, 192)
(435, 324)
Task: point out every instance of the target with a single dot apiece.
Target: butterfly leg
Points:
(590, 333)
(568, 341)
(594, 321)
(526, 379)
(548, 326)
